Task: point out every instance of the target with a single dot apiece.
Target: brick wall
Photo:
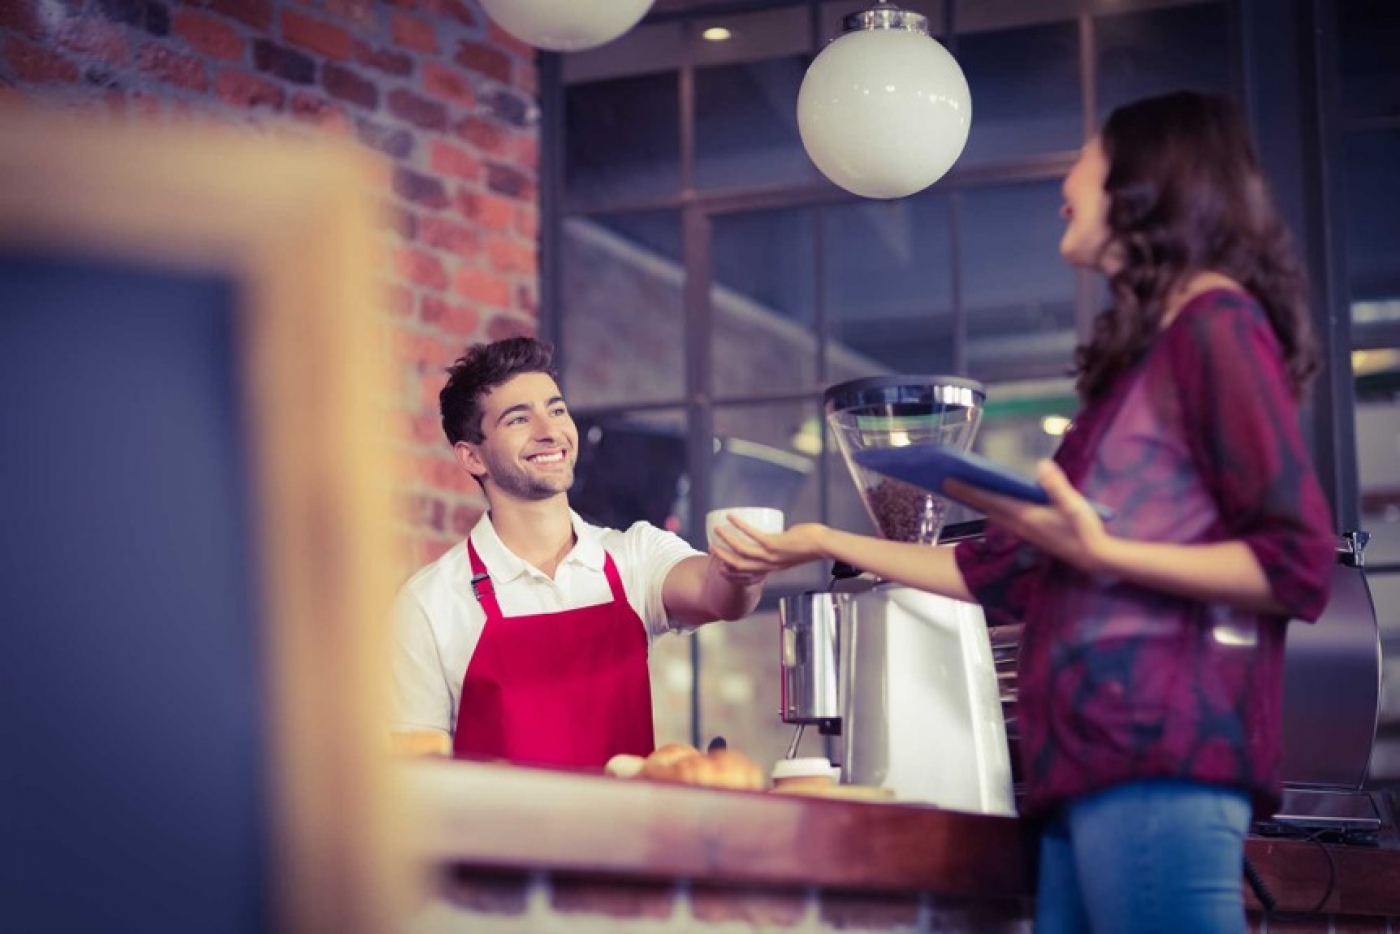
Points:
(431, 84)
(508, 902)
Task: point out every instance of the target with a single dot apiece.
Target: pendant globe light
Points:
(884, 110)
(566, 25)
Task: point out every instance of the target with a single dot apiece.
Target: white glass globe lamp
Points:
(566, 25)
(884, 110)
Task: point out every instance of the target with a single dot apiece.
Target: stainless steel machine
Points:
(903, 677)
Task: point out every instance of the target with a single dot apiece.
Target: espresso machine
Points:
(903, 679)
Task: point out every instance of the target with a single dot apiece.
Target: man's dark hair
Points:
(481, 369)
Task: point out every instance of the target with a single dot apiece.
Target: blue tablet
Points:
(927, 465)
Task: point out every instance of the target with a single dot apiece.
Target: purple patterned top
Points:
(1198, 443)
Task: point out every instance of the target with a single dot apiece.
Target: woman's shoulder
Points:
(1220, 316)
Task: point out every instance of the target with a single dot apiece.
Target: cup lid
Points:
(816, 766)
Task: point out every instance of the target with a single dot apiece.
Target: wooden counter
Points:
(544, 841)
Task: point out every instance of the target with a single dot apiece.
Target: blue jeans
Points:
(1151, 856)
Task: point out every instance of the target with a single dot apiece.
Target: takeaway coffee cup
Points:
(763, 518)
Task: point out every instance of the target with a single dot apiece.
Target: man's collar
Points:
(505, 566)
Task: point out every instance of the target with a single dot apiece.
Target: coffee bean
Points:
(906, 513)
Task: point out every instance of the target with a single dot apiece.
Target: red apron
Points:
(560, 689)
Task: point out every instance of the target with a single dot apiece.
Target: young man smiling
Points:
(528, 642)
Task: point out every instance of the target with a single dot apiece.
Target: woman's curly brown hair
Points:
(1186, 196)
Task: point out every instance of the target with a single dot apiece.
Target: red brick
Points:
(422, 509)
(489, 211)
(421, 267)
(419, 188)
(449, 83)
(484, 59)
(349, 85)
(452, 9)
(245, 89)
(35, 64)
(527, 221)
(481, 285)
(418, 350)
(527, 300)
(404, 4)
(410, 32)
(391, 63)
(502, 326)
(449, 317)
(398, 301)
(182, 71)
(447, 159)
(510, 256)
(616, 899)
(256, 13)
(858, 910)
(503, 40)
(464, 518)
(527, 151)
(489, 137)
(316, 110)
(754, 908)
(511, 182)
(442, 234)
(208, 35)
(417, 110)
(316, 35)
(94, 39)
(359, 12)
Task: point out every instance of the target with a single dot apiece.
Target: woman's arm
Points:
(926, 567)
(1069, 529)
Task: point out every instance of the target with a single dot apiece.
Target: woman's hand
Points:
(1068, 528)
(755, 552)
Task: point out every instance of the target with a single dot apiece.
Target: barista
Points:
(528, 642)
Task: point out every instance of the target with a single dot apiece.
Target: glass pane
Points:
(1369, 34)
(1025, 96)
(622, 139)
(746, 125)
(1143, 54)
(631, 468)
(760, 460)
(762, 302)
(889, 287)
(1019, 294)
(1373, 230)
(621, 315)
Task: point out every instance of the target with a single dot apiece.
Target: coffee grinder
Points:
(904, 678)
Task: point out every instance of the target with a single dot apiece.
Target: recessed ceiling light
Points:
(716, 34)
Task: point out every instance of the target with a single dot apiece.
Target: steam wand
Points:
(796, 739)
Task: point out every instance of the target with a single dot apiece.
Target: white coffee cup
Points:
(763, 518)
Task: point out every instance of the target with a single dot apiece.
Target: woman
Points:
(1151, 666)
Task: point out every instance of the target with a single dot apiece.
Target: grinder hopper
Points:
(892, 411)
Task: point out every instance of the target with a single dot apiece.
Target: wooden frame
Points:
(290, 223)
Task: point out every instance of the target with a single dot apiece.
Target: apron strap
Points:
(485, 593)
(481, 584)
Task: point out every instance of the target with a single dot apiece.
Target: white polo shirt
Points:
(438, 621)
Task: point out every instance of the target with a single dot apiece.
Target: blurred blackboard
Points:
(131, 779)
